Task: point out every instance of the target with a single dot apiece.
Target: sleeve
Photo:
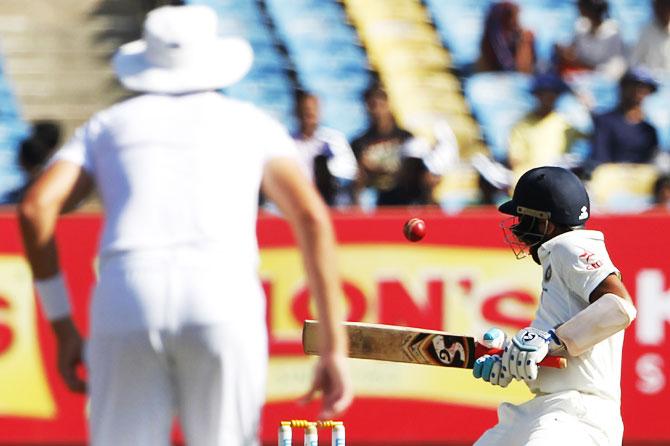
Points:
(582, 268)
(79, 149)
(343, 163)
(274, 139)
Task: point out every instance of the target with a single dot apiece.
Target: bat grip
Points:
(556, 362)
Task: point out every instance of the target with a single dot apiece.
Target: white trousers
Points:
(564, 418)
(211, 377)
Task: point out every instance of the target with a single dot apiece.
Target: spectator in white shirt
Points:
(653, 49)
(597, 44)
(325, 153)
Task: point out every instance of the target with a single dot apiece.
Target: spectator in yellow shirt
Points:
(543, 136)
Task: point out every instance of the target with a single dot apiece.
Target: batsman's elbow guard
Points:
(597, 322)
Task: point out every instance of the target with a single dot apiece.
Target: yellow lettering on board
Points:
(23, 386)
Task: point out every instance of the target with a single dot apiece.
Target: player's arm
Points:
(610, 311)
(59, 188)
(284, 183)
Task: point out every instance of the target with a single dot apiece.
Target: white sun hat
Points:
(181, 52)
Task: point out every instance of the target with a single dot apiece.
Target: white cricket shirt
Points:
(179, 177)
(574, 264)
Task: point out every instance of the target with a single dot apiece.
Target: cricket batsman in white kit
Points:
(584, 308)
(178, 314)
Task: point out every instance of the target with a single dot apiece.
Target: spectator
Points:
(505, 45)
(662, 192)
(597, 44)
(386, 162)
(34, 152)
(653, 48)
(324, 153)
(623, 135)
(543, 137)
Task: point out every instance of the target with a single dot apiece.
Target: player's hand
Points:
(489, 367)
(331, 378)
(528, 347)
(70, 347)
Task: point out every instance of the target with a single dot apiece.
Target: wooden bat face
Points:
(412, 345)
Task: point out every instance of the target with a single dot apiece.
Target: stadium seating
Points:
(12, 131)
(327, 56)
(268, 84)
(461, 24)
(413, 65)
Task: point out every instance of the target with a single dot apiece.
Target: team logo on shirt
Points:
(592, 261)
(547, 274)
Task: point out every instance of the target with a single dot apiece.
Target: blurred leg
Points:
(221, 373)
(130, 390)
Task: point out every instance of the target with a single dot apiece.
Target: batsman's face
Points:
(524, 234)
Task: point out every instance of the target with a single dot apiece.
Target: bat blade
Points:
(410, 345)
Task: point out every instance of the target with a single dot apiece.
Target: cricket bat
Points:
(411, 345)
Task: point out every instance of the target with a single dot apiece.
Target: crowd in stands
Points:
(391, 168)
(554, 118)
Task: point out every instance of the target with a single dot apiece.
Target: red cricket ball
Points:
(414, 229)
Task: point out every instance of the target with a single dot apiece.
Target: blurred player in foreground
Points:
(178, 314)
(583, 311)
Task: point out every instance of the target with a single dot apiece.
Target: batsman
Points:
(584, 308)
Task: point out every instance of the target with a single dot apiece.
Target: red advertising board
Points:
(460, 278)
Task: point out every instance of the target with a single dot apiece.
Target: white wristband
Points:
(53, 297)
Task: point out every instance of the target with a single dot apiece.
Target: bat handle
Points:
(556, 362)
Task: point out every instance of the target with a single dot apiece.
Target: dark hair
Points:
(300, 95)
(33, 153)
(661, 182)
(48, 132)
(600, 7)
(374, 90)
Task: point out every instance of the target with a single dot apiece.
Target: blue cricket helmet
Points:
(551, 193)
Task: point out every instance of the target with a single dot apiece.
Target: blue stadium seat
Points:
(327, 56)
(267, 84)
(576, 113)
(348, 116)
(657, 113)
(351, 85)
(632, 16)
(551, 22)
(603, 91)
(460, 24)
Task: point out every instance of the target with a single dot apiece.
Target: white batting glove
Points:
(528, 347)
(489, 367)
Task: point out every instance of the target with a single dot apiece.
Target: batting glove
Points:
(489, 367)
(528, 347)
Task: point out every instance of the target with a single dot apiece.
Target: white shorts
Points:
(212, 377)
(570, 417)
